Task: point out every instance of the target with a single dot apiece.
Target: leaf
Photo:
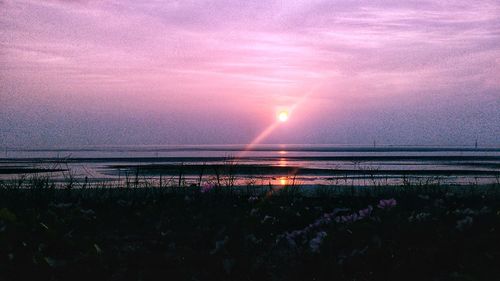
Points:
(53, 262)
(228, 265)
(97, 249)
(219, 245)
(7, 215)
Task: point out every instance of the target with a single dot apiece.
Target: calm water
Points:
(259, 165)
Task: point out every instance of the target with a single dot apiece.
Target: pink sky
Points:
(173, 72)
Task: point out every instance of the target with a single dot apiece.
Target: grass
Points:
(180, 233)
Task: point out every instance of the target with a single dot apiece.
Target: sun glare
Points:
(283, 116)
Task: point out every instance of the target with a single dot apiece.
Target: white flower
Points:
(268, 218)
(315, 243)
(464, 223)
(420, 217)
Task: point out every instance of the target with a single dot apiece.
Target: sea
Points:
(260, 165)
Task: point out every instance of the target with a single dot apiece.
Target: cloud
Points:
(257, 54)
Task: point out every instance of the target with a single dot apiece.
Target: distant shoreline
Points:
(262, 147)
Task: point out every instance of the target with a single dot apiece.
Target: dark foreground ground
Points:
(425, 233)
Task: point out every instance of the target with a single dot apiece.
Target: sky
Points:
(84, 72)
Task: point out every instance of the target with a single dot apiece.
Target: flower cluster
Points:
(324, 220)
(301, 235)
(469, 214)
(472, 212)
(327, 218)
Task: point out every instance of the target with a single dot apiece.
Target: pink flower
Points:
(207, 187)
(387, 203)
(365, 212)
(350, 218)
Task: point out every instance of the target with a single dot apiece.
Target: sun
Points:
(283, 116)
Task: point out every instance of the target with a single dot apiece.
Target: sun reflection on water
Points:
(283, 181)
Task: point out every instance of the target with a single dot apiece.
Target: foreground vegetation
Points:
(216, 233)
